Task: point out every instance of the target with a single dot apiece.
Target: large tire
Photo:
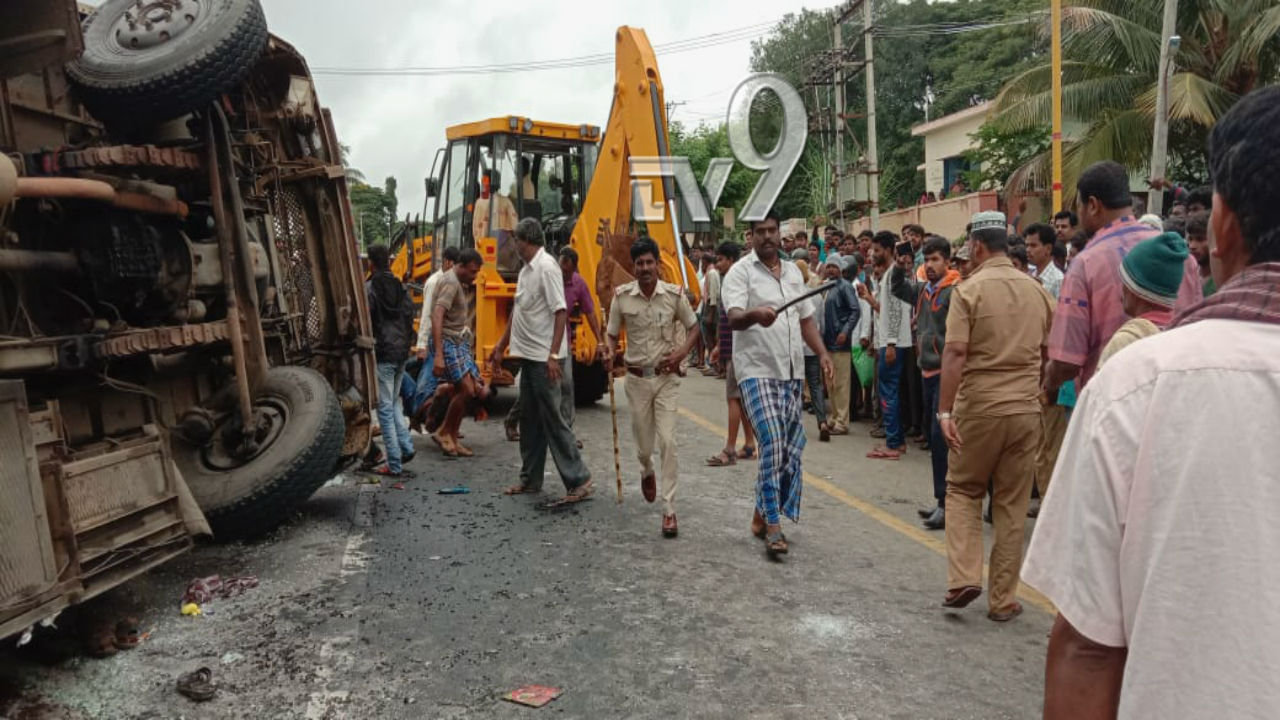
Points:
(126, 82)
(590, 383)
(245, 498)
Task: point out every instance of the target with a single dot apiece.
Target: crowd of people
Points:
(1123, 368)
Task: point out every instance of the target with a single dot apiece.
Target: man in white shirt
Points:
(1053, 417)
(892, 331)
(536, 335)
(769, 362)
(1165, 581)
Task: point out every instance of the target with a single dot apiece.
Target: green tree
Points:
(1111, 51)
(704, 143)
(374, 211)
(929, 61)
(999, 152)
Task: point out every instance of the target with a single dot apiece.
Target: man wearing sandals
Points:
(536, 335)
(452, 359)
(651, 311)
(726, 255)
(989, 414)
(770, 367)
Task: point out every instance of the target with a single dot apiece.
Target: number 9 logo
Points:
(777, 164)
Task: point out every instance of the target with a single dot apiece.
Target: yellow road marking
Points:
(888, 519)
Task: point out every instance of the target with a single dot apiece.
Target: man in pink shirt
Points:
(1090, 304)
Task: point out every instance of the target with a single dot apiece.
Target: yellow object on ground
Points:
(190, 609)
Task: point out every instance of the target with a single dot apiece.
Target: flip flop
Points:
(518, 490)
(575, 496)
(197, 685)
(884, 454)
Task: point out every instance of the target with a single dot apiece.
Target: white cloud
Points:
(395, 124)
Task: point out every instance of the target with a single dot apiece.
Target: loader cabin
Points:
(492, 174)
(496, 172)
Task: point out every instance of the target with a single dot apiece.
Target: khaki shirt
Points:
(1004, 315)
(652, 332)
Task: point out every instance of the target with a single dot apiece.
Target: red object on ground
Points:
(533, 695)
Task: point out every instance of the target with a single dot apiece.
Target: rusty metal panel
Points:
(35, 35)
(26, 564)
(107, 487)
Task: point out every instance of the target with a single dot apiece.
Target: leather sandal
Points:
(961, 596)
(724, 458)
(776, 544)
(1006, 615)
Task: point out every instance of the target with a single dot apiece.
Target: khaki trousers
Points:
(1002, 450)
(654, 403)
(841, 383)
(1053, 428)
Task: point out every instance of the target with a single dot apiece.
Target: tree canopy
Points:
(1111, 51)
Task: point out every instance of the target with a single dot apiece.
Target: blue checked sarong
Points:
(773, 407)
(459, 361)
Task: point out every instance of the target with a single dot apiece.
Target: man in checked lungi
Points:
(451, 355)
(769, 362)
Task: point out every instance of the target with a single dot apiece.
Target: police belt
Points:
(647, 372)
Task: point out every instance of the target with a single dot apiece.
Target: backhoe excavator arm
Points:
(637, 128)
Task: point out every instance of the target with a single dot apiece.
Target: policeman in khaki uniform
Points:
(656, 315)
(989, 414)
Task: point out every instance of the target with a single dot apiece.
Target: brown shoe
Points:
(669, 529)
(649, 486)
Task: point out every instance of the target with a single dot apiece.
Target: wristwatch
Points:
(554, 356)
(944, 416)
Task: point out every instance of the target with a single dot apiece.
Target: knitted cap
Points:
(987, 219)
(1154, 268)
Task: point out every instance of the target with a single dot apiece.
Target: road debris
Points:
(198, 685)
(533, 695)
(191, 609)
(202, 590)
(456, 490)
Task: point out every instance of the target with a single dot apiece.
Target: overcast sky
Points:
(395, 124)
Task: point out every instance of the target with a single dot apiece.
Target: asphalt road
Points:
(384, 603)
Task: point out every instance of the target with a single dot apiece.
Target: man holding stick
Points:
(768, 330)
(651, 311)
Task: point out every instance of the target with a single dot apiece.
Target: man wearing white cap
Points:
(989, 414)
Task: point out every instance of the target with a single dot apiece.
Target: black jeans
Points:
(543, 427)
(817, 391)
(937, 446)
(910, 394)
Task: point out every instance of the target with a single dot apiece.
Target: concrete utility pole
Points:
(1169, 42)
(873, 157)
(839, 112)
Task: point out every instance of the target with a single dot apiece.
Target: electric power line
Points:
(748, 32)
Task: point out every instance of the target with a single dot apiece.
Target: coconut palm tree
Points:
(1111, 51)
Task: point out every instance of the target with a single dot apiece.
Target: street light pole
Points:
(1160, 137)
